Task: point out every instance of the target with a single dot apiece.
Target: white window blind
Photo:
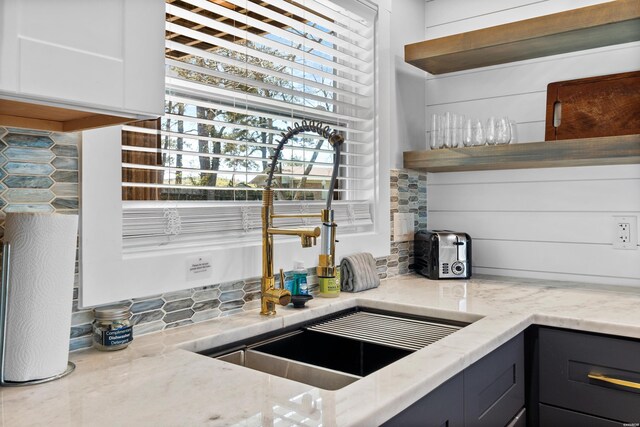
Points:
(238, 73)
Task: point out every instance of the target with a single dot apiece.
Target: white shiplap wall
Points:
(551, 223)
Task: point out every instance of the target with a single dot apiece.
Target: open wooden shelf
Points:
(578, 29)
(616, 150)
(45, 117)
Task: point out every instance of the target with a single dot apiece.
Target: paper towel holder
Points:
(4, 303)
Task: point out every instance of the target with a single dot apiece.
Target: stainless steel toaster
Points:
(442, 254)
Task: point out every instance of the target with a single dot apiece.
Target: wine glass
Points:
(490, 131)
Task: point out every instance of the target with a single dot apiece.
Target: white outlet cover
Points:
(633, 232)
(403, 226)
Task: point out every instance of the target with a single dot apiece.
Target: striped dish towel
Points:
(358, 273)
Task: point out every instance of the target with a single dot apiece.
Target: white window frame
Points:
(108, 275)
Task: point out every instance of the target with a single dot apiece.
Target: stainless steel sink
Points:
(337, 350)
(316, 376)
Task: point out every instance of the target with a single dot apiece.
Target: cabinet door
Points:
(494, 386)
(90, 53)
(440, 408)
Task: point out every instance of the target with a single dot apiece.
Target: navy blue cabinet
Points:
(588, 375)
(494, 386)
(488, 393)
(441, 407)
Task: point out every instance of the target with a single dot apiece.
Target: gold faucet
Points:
(308, 236)
(326, 264)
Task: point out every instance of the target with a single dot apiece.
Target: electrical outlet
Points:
(625, 232)
(403, 227)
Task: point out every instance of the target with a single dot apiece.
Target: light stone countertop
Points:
(159, 380)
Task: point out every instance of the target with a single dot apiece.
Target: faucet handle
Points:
(281, 279)
(308, 241)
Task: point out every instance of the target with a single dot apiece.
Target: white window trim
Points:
(106, 275)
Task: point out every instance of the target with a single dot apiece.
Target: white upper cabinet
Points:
(94, 61)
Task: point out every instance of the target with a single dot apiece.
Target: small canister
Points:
(112, 329)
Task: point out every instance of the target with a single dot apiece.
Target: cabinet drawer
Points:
(568, 359)
(494, 386)
(551, 416)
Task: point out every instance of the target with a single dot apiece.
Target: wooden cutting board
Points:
(592, 107)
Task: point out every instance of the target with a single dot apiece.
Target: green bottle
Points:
(330, 286)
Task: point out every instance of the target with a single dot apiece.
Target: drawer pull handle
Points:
(615, 381)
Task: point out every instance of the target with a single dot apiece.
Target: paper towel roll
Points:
(43, 253)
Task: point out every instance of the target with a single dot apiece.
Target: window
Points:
(238, 73)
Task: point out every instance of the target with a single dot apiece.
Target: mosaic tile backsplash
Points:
(39, 173)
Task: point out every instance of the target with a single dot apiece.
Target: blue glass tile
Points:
(28, 208)
(178, 315)
(180, 323)
(80, 330)
(28, 155)
(232, 295)
(80, 343)
(28, 131)
(65, 189)
(252, 296)
(33, 141)
(201, 316)
(28, 196)
(65, 150)
(206, 305)
(65, 203)
(147, 317)
(141, 306)
(206, 294)
(231, 305)
(82, 317)
(231, 286)
(28, 181)
(67, 138)
(178, 305)
(172, 296)
(65, 176)
(28, 168)
(252, 286)
(3, 159)
(65, 163)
